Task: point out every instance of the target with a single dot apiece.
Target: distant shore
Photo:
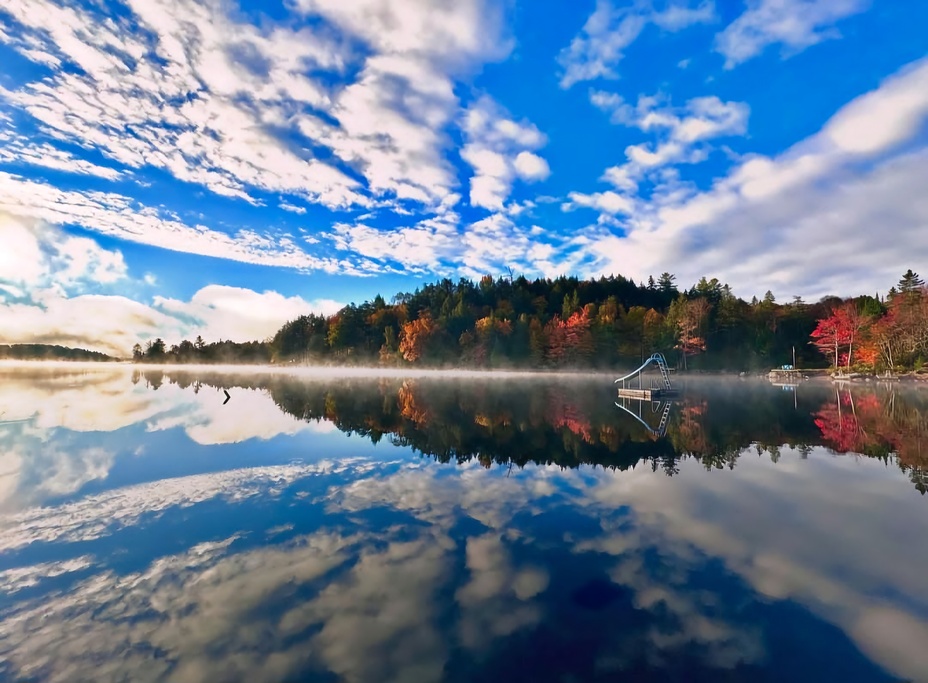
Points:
(828, 374)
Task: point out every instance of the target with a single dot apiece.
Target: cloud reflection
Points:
(48, 414)
(373, 598)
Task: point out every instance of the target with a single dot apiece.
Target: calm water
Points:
(423, 530)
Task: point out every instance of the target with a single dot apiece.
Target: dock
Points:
(653, 394)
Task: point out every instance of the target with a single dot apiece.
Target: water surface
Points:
(427, 529)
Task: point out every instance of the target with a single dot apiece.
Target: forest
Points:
(50, 352)
(609, 322)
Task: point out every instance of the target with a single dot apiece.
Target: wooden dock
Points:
(646, 394)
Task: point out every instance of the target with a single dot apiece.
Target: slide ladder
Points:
(662, 429)
(665, 418)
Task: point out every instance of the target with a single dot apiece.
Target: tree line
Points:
(50, 352)
(566, 322)
(890, 334)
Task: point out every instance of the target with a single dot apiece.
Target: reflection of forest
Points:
(576, 423)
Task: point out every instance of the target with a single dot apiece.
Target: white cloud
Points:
(35, 255)
(796, 24)
(223, 103)
(599, 47)
(239, 314)
(119, 216)
(530, 166)
(198, 91)
(884, 118)
(43, 265)
(112, 324)
(839, 212)
(455, 34)
(499, 150)
(17, 149)
(606, 202)
(292, 208)
(681, 132)
(701, 118)
(439, 246)
(418, 249)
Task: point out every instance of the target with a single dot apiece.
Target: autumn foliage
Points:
(609, 322)
(416, 336)
(892, 337)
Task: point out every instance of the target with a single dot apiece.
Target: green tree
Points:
(665, 283)
(910, 282)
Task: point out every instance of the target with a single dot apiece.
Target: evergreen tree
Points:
(910, 282)
(665, 283)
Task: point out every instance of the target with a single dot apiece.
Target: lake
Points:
(458, 529)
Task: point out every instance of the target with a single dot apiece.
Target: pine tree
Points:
(910, 282)
(666, 283)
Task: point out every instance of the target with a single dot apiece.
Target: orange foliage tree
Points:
(416, 335)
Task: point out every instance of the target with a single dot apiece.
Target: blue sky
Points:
(178, 166)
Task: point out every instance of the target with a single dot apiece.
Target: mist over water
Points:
(342, 525)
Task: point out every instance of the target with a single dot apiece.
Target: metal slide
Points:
(661, 363)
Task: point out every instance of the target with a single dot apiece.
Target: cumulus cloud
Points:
(113, 324)
(837, 212)
(599, 47)
(43, 266)
(499, 150)
(795, 24)
(241, 314)
(607, 202)
(530, 166)
(680, 131)
(110, 324)
(36, 255)
(440, 246)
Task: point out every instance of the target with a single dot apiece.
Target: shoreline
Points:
(798, 376)
(348, 371)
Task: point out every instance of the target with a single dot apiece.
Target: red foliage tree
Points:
(840, 330)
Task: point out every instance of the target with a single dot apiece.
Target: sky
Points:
(169, 168)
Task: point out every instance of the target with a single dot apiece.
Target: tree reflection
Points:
(574, 423)
(881, 424)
